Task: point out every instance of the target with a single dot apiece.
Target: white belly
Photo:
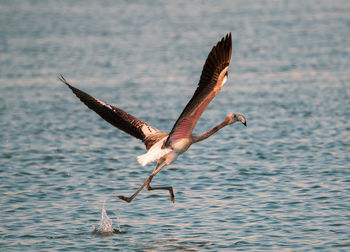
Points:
(181, 145)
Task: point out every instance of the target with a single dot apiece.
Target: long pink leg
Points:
(169, 188)
(148, 187)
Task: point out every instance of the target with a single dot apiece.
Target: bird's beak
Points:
(245, 124)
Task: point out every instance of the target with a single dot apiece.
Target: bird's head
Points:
(232, 118)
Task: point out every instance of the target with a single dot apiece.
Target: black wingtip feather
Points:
(218, 58)
(63, 80)
(84, 97)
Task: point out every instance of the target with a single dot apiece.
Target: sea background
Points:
(282, 183)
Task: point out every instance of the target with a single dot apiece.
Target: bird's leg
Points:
(146, 183)
(169, 188)
(129, 199)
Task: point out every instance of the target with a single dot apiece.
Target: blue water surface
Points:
(282, 183)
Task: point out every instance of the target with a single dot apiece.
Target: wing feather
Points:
(212, 79)
(115, 116)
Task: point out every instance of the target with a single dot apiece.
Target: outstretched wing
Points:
(213, 77)
(115, 116)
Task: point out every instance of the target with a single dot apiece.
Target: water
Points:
(105, 225)
(282, 183)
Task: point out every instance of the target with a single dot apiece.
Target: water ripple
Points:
(282, 183)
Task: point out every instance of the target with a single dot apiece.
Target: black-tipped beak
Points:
(245, 124)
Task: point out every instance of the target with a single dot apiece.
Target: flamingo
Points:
(161, 146)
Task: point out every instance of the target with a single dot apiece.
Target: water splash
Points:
(105, 225)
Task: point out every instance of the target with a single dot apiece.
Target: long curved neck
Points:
(207, 134)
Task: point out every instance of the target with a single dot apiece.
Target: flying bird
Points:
(166, 147)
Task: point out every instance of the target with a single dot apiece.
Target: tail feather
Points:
(154, 153)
